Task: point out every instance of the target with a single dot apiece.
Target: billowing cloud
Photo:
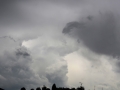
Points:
(32, 64)
(15, 63)
(48, 57)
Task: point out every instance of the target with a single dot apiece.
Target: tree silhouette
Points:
(54, 87)
(1, 89)
(44, 87)
(32, 89)
(23, 88)
(38, 88)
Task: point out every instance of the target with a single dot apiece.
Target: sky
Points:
(66, 42)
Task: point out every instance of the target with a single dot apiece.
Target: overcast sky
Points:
(60, 41)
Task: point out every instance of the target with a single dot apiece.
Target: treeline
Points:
(57, 88)
(54, 88)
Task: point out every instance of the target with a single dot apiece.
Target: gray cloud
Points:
(48, 57)
(15, 66)
(40, 66)
(98, 29)
(14, 71)
(22, 53)
(99, 33)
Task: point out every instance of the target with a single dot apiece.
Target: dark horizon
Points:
(54, 87)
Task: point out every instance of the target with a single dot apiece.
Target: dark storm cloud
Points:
(15, 70)
(99, 33)
(90, 17)
(22, 53)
